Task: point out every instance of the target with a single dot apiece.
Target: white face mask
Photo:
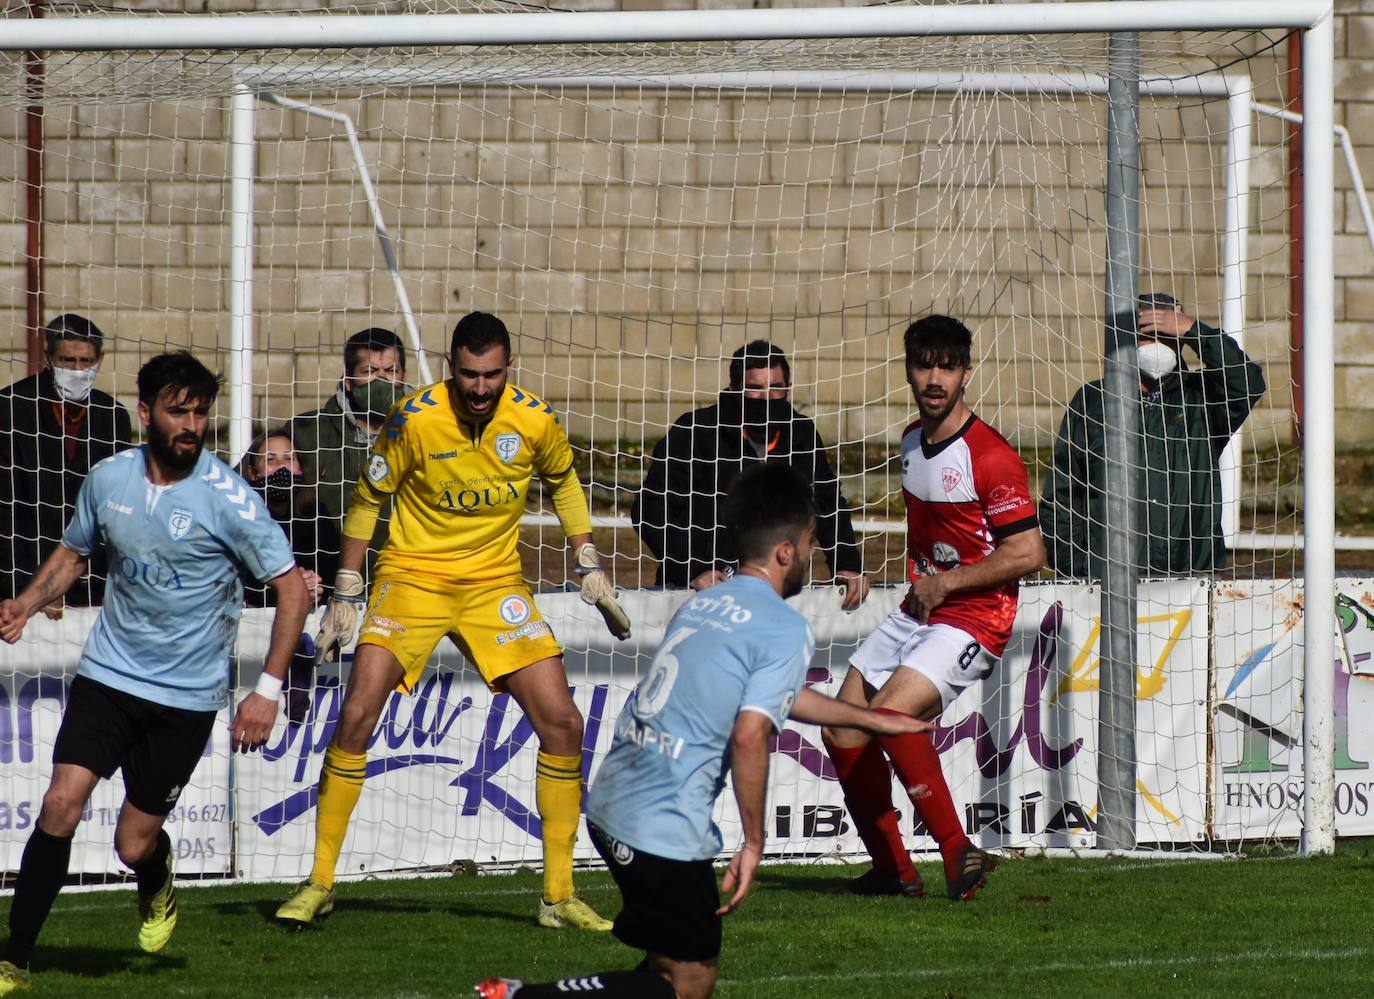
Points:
(1155, 359)
(74, 384)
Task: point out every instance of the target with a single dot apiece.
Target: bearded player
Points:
(457, 458)
(971, 535)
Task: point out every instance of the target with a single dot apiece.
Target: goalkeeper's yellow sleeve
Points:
(569, 502)
(363, 510)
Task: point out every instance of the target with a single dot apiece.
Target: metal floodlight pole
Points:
(1116, 751)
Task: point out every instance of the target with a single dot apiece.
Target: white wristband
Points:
(268, 686)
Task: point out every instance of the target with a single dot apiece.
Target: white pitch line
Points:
(1236, 957)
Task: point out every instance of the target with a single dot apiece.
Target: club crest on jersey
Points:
(946, 556)
(507, 447)
(514, 610)
(951, 477)
(179, 523)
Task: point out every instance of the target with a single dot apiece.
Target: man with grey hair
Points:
(54, 426)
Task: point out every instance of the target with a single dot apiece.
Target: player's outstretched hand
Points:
(856, 587)
(598, 592)
(891, 723)
(13, 617)
(340, 616)
(252, 723)
(739, 877)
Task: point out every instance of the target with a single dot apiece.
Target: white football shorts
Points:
(949, 658)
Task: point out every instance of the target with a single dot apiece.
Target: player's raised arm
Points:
(257, 712)
(749, 766)
(55, 577)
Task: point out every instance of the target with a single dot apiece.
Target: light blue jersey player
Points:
(179, 527)
(728, 674)
(735, 647)
(172, 604)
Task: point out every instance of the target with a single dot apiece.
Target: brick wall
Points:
(634, 239)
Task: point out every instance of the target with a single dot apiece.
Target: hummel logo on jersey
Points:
(440, 456)
(239, 496)
(589, 984)
(179, 523)
(173, 794)
(951, 477)
(507, 447)
(118, 507)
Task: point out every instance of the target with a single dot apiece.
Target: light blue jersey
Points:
(734, 647)
(173, 599)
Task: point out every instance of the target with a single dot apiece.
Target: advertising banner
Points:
(1257, 724)
(450, 773)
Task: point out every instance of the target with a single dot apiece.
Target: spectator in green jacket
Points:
(332, 443)
(1187, 416)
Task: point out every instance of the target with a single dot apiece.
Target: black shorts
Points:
(154, 746)
(669, 905)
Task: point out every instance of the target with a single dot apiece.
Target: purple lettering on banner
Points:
(593, 728)
(6, 727)
(273, 817)
(994, 762)
(491, 758)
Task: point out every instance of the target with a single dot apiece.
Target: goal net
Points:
(636, 211)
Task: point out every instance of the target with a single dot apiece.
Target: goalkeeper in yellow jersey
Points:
(457, 458)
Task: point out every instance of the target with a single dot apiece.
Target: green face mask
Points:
(375, 399)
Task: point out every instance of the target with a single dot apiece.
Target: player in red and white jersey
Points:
(971, 535)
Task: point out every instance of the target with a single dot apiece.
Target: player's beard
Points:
(795, 579)
(939, 407)
(164, 448)
(464, 402)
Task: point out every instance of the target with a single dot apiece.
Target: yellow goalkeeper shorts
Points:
(495, 625)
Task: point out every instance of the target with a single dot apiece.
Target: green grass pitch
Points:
(1072, 927)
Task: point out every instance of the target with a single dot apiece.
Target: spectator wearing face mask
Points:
(271, 467)
(54, 426)
(332, 443)
(677, 510)
(1187, 415)
(274, 471)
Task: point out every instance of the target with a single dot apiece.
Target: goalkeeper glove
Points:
(340, 616)
(597, 590)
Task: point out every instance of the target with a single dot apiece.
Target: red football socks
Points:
(867, 784)
(918, 766)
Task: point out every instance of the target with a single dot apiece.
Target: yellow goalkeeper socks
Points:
(341, 781)
(558, 796)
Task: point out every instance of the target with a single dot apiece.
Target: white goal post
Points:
(1312, 17)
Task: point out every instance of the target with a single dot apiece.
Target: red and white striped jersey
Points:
(963, 496)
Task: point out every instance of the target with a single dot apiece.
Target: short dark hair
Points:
(757, 354)
(765, 505)
(1155, 300)
(478, 332)
(176, 374)
(938, 340)
(70, 326)
(370, 339)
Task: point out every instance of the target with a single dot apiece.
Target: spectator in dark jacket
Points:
(676, 513)
(272, 467)
(1186, 418)
(53, 427)
(333, 442)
